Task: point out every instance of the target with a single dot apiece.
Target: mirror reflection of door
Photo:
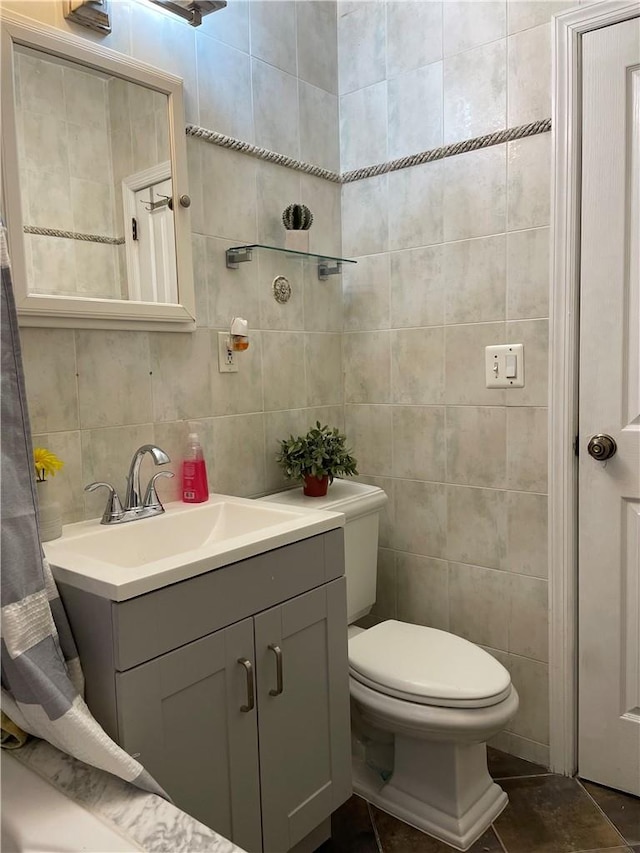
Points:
(156, 254)
(149, 235)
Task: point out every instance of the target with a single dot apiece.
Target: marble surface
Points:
(146, 819)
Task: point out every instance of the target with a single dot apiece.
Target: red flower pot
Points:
(315, 487)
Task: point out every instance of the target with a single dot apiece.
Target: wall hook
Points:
(166, 201)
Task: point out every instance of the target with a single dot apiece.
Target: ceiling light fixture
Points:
(191, 10)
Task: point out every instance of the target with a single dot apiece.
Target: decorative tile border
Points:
(73, 235)
(261, 153)
(508, 135)
(497, 138)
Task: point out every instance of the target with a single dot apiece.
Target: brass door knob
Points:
(602, 447)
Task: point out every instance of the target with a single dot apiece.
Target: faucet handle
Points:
(113, 510)
(151, 499)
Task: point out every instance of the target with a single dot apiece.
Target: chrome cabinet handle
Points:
(278, 653)
(251, 699)
(602, 447)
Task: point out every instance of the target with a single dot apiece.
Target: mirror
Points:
(94, 185)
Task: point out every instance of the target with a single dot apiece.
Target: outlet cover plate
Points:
(226, 357)
(497, 361)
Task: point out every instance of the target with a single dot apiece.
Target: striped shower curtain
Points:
(42, 680)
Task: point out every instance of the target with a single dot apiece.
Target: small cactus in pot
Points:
(297, 217)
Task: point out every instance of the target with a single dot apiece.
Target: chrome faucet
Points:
(135, 506)
(133, 497)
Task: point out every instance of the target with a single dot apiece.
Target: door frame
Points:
(568, 29)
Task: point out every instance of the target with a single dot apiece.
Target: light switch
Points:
(504, 366)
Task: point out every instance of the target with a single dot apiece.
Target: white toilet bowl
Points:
(423, 702)
(441, 698)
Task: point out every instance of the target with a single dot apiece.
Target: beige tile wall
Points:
(66, 177)
(252, 70)
(453, 256)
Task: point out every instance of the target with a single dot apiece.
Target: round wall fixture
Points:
(281, 289)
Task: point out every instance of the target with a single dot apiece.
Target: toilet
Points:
(424, 702)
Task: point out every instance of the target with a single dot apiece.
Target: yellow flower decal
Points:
(45, 463)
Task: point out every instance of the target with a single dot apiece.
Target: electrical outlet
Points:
(226, 356)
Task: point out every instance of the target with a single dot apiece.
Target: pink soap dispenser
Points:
(195, 488)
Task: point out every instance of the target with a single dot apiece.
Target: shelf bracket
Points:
(238, 256)
(324, 270)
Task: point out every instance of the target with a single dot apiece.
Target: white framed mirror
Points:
(94, 181)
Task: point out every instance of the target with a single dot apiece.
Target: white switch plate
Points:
(496, 366)
(226, 358)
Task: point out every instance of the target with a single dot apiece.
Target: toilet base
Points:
(443, 789)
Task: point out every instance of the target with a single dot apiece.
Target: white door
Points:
(155, 244)
(609, 492)
(149, 235)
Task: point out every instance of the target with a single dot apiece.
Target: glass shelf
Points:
(327, 264)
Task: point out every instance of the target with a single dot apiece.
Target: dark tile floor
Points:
(546, 814)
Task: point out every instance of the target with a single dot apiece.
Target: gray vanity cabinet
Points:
(170, 675)
(304, 730)
(180, 714)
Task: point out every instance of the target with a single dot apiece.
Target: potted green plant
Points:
(316, 458)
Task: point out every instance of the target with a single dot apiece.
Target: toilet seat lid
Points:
(427, 666)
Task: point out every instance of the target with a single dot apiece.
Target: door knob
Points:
(602, 447)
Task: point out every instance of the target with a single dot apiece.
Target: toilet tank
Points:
(361, 505)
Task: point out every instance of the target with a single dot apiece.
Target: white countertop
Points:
(125, 560)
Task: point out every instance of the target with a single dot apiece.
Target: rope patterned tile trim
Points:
(497, 138)
(73, 235)
(487, 141)
(261, 153)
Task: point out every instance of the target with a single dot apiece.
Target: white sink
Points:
(141, 542)
(124, 560)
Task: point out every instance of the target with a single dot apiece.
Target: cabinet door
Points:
(305, 757)
(182, 713)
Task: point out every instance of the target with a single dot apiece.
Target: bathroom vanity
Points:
(230, 686)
